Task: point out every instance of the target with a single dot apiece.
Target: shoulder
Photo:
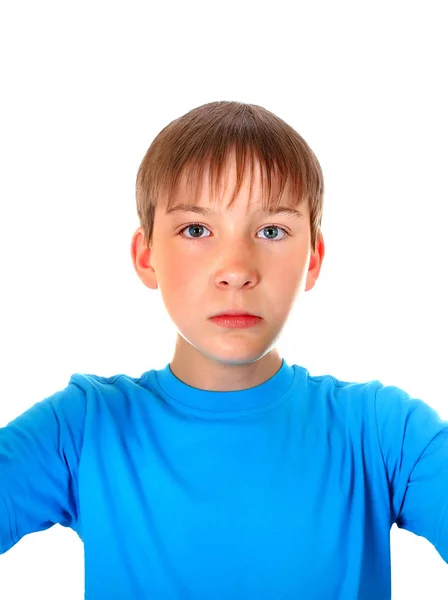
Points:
(355, 397)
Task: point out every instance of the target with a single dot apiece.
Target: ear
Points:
(315, 263)
(141, 259)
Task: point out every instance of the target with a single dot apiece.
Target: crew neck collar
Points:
(263, 396)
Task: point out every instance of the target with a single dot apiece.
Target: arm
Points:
(414, 444)
(39, 458)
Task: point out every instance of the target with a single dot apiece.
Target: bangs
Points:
(274, 177)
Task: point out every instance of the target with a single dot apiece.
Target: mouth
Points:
(236, 320)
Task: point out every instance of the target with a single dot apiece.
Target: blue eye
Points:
(279, 229)
(194, 226)
(202, 227)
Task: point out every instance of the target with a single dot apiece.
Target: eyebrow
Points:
(202, 210)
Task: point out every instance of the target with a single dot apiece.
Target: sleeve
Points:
(39, 459)
(414, 444)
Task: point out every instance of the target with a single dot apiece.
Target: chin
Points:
(235, 355)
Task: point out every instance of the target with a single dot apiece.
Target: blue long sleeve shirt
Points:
(285, 490)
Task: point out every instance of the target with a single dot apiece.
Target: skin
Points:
(232, 261)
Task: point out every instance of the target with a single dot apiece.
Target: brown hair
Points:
(206, 135)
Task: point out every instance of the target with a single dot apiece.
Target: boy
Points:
(228, 474)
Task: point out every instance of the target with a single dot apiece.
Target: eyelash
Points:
(200, 225)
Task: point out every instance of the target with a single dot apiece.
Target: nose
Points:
(235, 279)
(237, 271)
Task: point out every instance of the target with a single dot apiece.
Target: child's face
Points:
(230, 262)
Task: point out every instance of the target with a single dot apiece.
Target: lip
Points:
(234, 313)
(236, 321)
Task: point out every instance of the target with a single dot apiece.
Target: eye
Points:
(193, 226)
(275, 227)
(198, 226)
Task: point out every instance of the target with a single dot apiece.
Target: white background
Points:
(85, 88)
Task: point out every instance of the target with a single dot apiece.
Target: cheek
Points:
(290, 277)
(175, 266)
(178, 273)
(292, 268)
